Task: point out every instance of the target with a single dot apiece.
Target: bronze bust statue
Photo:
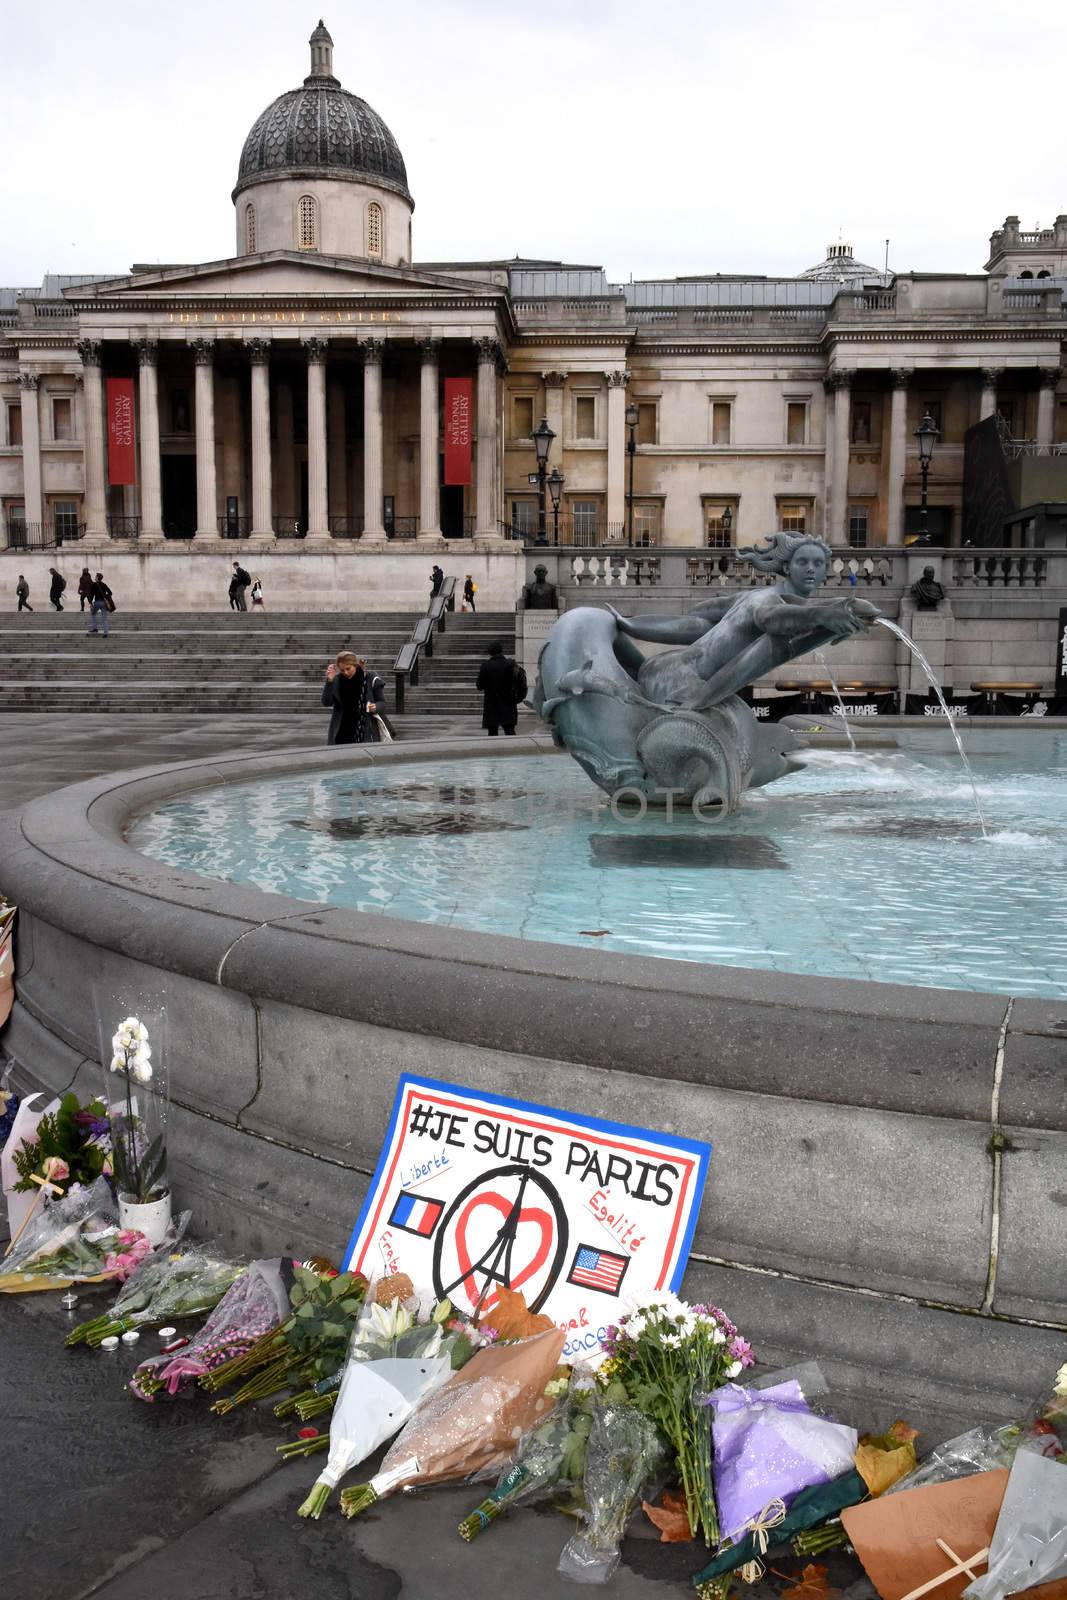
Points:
(540, 595)
(927, 592)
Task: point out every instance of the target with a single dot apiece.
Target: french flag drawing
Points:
(414, 1213)
(598, 1269)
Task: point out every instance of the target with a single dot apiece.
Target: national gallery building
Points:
(319, 384)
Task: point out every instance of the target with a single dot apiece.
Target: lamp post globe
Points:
(927, 434)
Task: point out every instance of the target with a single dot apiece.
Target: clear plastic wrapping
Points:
(66, 1241)
(250, 1307)
(1029, 1544)
(623, 1454)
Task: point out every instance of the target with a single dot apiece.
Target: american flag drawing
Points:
(597, 1269)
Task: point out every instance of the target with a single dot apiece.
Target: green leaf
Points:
(308, 1280)
(307, 1310)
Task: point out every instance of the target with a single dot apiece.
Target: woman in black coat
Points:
(346, 693)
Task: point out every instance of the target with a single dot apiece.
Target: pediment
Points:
(284, 273)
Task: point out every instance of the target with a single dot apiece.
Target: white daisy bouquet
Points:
(140, 1162)
(670, 1355)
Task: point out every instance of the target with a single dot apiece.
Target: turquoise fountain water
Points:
(857, 866)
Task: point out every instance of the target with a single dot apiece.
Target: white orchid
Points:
(118, 1063)
(733, 1369)
(141, 1071)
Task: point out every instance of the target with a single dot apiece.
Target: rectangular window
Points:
(14, 424)
(647, 422)
(721, 411)
(859, 521)
(720, 522)
(522, 416)
(647, 521)
(65, 515)
(584, 521)
(62, 417)
(16, 525)
(861, 422)
(796, 422)
(524, 517)
(585, 416)
(793, 516)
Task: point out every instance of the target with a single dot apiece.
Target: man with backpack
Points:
(101, 605)
(55, 592)
(238, 584)
(504, 687)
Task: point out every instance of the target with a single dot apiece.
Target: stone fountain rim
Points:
(65, 860)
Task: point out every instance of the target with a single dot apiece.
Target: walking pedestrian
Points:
(504, 687)
(85, 585)
(22, 590)
(437, 578)
(101, 604)
(346, 693)
(55, 592)
(257, 595)
(470, 589)
(241, 581)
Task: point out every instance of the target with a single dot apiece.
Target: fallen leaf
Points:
(670, 1517)
(812, 1584)
(511, 1319)
(883, 1459)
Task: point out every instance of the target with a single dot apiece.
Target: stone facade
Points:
(294, 391)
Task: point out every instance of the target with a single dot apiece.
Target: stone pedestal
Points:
(932, 632)
(532, 629)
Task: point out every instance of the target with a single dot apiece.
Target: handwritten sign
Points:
(473, 1191)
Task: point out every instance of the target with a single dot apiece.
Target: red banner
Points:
(458, 400)
(120, 436)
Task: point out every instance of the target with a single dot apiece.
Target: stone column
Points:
(95, 493)
(207, 510)
(31, 451)
(262, 526)
(898, 456)
(429, 443)
(337, 471)
(373, 528)
(616, 512)
(318, 494)
(1048, 377)
(488, 511)
(838, 533)
(151, 483)
(829, 385)
(987, 404)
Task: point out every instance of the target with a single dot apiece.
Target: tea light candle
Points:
(110, 1343)
(70, 1300)
(131, 1337)
(166, 1333)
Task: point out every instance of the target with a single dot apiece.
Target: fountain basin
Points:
(851, 1121)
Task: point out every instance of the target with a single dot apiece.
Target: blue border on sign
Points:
(694, 1147)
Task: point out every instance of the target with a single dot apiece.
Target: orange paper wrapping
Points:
(475, 1421)
(896, 1537)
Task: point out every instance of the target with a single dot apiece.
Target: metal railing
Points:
(578, 531)
(123, 527)
(288, 527)
(402, 528)
(49, 535)
(345, 527)
(406, 665)
(234, 526)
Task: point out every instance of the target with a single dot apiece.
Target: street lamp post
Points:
(926, 433)
(542, 438)
(556, 480)
(727, 521)
(631, 451)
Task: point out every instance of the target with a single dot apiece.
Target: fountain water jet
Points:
(828, 669)
(949, 718)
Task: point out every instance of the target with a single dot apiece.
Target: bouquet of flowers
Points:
(246, 1311)
(309, 1346)
(72, 1146)
(670, 1356)
(394, 1362)
(184, 1283)
(624, 1452)
(549, 1457)
(470, 1425)
(74, 1240)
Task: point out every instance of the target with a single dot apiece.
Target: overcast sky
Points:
(653, 138)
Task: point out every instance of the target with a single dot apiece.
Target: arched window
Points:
(307, 229)
(1044, 273)
(250, 230)
(1026, 274)
(374, 229)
